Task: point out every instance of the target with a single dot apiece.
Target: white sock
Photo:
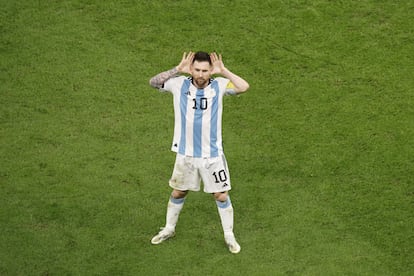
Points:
(225, 210)
(173, 211)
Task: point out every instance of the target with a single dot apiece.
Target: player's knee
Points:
(178, 194)
(220, 196)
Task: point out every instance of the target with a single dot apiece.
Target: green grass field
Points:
(320, 149)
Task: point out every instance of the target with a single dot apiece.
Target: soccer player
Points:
(198, 107)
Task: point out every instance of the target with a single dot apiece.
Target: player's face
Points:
(201, 73)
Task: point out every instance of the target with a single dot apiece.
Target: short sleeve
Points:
(172, 84)
(230, 89)
(226, 86)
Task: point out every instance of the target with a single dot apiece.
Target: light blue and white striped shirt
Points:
(198, 115)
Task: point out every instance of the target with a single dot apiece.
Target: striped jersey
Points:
(198, 114)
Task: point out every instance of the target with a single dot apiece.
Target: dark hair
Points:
(202, 56)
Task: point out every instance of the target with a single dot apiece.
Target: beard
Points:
(201, 82)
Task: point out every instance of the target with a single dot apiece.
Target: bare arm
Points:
(240, 85)
(158, 80)
(184, 67)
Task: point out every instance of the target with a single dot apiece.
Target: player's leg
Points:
(183, 179)
(216, 180)
(226, 212)
(175, 205)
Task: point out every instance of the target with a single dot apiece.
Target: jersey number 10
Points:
(202, 104)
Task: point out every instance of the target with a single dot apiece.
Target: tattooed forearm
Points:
(158, 80)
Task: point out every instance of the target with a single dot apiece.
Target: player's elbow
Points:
(243, 88)
(154, 83)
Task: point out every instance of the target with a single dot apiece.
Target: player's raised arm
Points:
(184, 67)
(240, 85)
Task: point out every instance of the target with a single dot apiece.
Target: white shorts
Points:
(189, 171)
